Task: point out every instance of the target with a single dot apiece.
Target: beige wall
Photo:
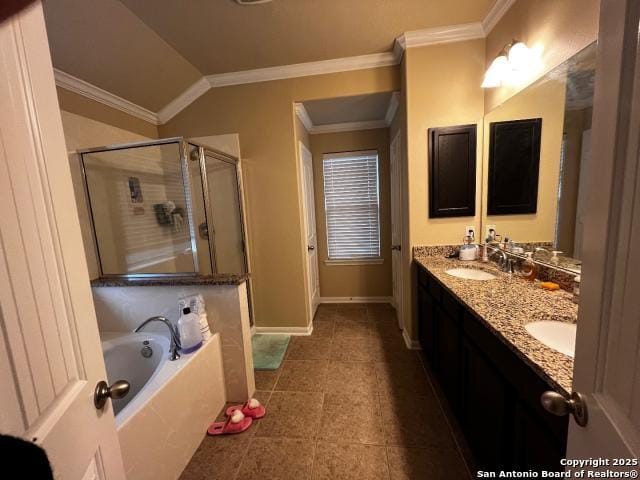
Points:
(85, 107)
(559, 28)
(262, 114)
(368, 280)
(442, 89)
(546, 101)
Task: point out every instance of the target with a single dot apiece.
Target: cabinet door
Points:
(426, 323)
(452, 171)
(486, 413)
(514, 164)
(449, 356)
(535, 446)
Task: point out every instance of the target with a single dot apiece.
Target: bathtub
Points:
(165, 415)
(137, 358)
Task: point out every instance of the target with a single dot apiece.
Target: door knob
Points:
(310, 247)
(103, 391)
(557, 404)
(395, 247)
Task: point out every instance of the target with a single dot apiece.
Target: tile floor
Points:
(349, 402)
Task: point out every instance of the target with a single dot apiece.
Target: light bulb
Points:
(497, 72)
(519, 56)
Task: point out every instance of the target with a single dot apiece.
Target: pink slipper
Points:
(251, 409)
(236, 423)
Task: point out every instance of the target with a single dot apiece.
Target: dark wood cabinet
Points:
(452, 171)
(449, 356)
(486, 409)
(514, 165)
(494, 394)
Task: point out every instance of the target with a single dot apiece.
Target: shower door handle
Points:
(103, 391)
(203, 230)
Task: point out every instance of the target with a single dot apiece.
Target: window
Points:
(352, 205)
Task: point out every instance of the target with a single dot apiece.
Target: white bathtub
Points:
(164, 417)
(124, 359)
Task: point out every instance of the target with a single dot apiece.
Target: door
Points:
(313, 277)
(196, 198)
(226, 233)
(396, 224)
(50, 355)
(607, 370)
(585, 163)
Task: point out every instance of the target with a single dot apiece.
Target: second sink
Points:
(470, 274)
(560, 336)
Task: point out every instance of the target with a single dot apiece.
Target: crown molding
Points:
(182, 101)
(303, 115)
(348, 126)
(438, 35)
(88, 90)
(495, 14)
(415, 38)
(296, 70)
(394, 102)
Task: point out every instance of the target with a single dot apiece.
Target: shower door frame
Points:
(205, 151)
(183, 149)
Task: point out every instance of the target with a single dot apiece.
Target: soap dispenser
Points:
(528, 268)
(469, 250)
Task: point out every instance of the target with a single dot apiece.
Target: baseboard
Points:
(411, 344)
(284, 330)
(356, 300)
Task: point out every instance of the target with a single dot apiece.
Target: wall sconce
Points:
(510, 64)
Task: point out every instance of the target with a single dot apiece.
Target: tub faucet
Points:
(175, 340)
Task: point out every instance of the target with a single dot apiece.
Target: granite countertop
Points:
(217, 279)
(506, 305)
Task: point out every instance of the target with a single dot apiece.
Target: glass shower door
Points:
(224, 214)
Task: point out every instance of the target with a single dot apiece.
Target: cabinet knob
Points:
(557, 404)
(311, 248)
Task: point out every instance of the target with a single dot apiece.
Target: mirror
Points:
(166, 207)
(536, 153)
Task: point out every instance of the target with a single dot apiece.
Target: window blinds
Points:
(352, 206)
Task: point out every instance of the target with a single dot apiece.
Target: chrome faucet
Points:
(175, 339)
(504, 262)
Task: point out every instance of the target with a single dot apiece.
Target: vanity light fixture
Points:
(512, 61)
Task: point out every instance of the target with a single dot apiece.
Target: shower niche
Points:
(164, 208)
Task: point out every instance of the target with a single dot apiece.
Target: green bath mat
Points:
(269, 350)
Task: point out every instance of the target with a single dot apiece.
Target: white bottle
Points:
(197, 306)
(189, 330)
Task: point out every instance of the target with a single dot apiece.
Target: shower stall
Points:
(164, 208)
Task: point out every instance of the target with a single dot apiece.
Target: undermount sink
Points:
(470, 274)
(560, 336)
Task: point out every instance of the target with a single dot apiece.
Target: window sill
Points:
(363, 261)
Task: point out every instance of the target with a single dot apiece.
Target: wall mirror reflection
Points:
(167, 207)
(534, 178)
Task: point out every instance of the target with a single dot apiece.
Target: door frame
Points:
(313, 301)
(606, 368)
(396, 161)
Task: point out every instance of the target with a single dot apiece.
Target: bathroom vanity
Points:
(490, 369)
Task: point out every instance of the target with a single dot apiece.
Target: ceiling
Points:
(149, 52)
(360, 108)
